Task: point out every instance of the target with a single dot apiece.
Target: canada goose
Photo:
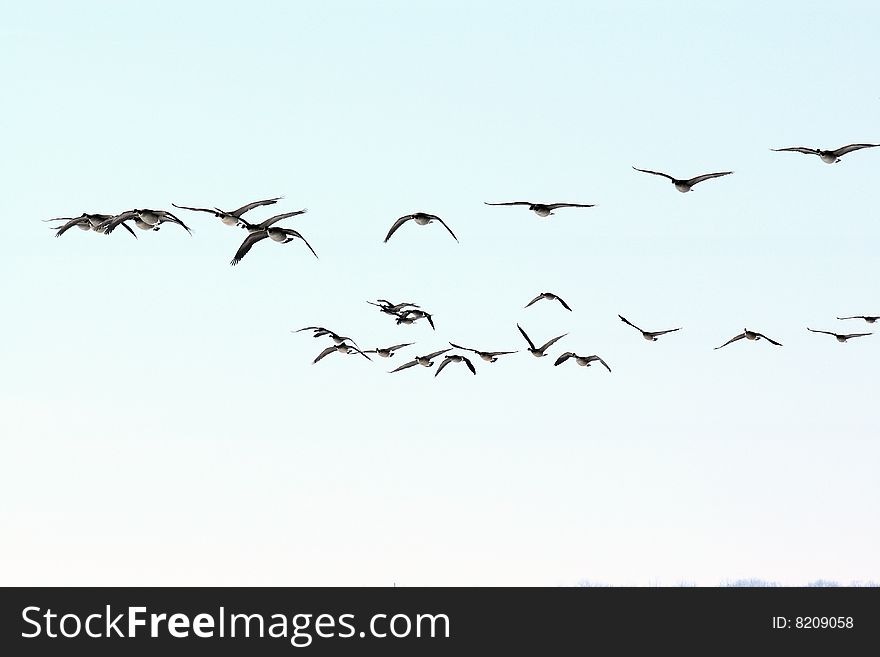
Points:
(263, 225)
(841, 337)
(750, 335)
(388, 352)
(686, 185)
(550, 297)
(455, 358)
(538, 353)
(144, 219)
(411, 315)
(648, 335)
(868, 318)
(341, 348)
(545, 209)
(389, 308)
(828, 157)
(583, 361)
(424, 361)
(282, 235)
(488, 356)
(231, 217)
(85, 221)
(421, 218)
(320, 331)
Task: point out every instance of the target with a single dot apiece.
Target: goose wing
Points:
(278, 217)
(854, 317)
(657, 334)
(457, 346)
(170, 218)
(430, 319)
(290, 232)
(60, 230)
(770, 340)
(855, 335)
(707, 176)
(564, 357)
(400, 346)
(528, 339)
(629, 323)
(560, 300)
(536, 299)
(404, 366)
(397, 224)
(445, 226)
(129, 229)
(250, 206)
(549, 343)
(509, 203)
(733, 339)
(555, 206)
(498, 353)
(328, 350)
(445, 362)
(436, 353)
(108, 226)
(655, 173)
(470, 365)
(246, 245)
(849, 148)
(797, 149)
(594, 358)
(208, 210)
(825, 332)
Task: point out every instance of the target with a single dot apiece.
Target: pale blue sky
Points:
(161, 425)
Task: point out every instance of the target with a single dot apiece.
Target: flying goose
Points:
(282, 235)
(263, 225)
(342, 348)
(550, 297)
(231, 217)
(424, 361)
(828, 157)
(868, 318)
(488, 356)
(388, 352)
(320, 331)
(750, 335)
(455, 358)
(389, 308)
(144, 219)
(85, 221)
(583, 361)
(686, 185)
(411, 315)
(421, 218)
(538, 353)
(841, 337)
(545, 209)
(648, 335)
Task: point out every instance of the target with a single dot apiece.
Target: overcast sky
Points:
(161, 425)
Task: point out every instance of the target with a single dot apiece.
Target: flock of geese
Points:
(409, 313)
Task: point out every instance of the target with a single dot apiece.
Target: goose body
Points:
(535, 351)
(827, 156)
(840, 337)
(685, 184)
(231, 217)
(870, 319)
(388, 352)
(280, 235)
(421, 219)
(650, 336)
(544, 209)
(549, 296)
(455, 358)
(488, 356)
(750, 335)
(424, 361)
(583, 361)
